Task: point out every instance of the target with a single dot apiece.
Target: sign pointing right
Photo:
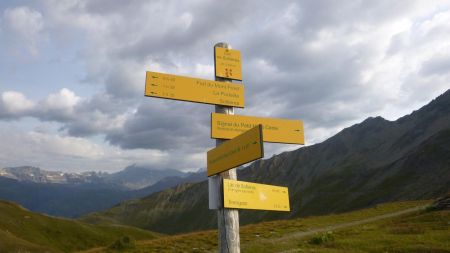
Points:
(246, 195)
(225, 126)
(242, 149)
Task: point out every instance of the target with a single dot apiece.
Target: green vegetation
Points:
(175, 210)
(322, 238)
(419, 231)
(123, 243)
(25, 231)
(415, 231)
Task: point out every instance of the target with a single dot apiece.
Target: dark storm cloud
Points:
(184, 30)
(439, 65)
(98, 115)
(303, 78)
(166, 126)
(122, 82)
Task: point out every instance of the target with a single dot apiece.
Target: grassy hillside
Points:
(164, 211)
(25, 231)
(415, 231)
(421, 231)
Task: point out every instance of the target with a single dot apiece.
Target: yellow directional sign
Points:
(194, 90)
(245, 195)
(228, 63)
(225, 126)
(242, 149)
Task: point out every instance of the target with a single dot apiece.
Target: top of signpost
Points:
(227, 62)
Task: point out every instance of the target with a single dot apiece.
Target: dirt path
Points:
(343, 225)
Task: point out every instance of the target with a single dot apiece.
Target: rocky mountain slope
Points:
(372, 162)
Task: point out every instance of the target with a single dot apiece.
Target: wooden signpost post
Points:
(227, 219)
(239, 140)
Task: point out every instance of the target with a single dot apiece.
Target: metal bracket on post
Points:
(213, 192)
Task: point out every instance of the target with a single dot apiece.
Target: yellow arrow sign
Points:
(193, 90)
(242, 149)
(228, 63)
(225, 126)
(245, 195)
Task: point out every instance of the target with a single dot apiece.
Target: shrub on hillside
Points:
(322, 238)
(123, 243)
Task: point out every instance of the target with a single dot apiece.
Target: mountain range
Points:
(133, 177)
(372, 162)
(76, 194)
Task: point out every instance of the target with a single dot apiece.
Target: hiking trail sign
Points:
(225, 126)
(228, 63)
(193, 89)
(242, 149)
(246, 195)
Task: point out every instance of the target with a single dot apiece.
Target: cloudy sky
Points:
(72, 73)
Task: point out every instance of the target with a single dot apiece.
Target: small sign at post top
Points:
(194, 89)
(242, 149)
(228, 63)
(245, 195)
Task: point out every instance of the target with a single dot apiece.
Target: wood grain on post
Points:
(227, 219)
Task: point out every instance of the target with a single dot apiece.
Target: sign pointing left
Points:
(193, 90)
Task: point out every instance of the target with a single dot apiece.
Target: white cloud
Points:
(14, 104)
(65, 99)
(398, 79)
(25, 23)
(20, 147)
(88, 123)
(80, 117)
(203, 70)
(60, 105)
(55, 145)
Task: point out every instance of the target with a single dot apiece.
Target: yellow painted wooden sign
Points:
(245, 195)
(228, 63)
(242, 149)
(193, 89)
(225, 126)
